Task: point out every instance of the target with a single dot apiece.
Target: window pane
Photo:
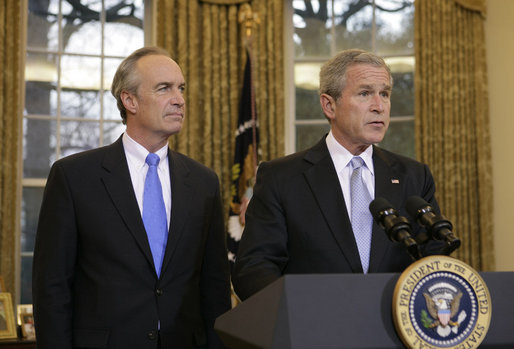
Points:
(41, 82)
(307, 96)
(111, 111)
(42, 24)
(307, 105)
(31, 203)
(40, 98)
(110, 67)
(80, 103)
(80, 72)
(123, 26)
(39, 143)
(77, 136)
(395, 27)
(400, 138)
(112, 131)
(82, 25)
(26, 280)
(308, 135)
(311, 28)
(402, 98)
(353, 24)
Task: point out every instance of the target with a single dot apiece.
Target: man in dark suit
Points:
(299, 219)
(98, 280)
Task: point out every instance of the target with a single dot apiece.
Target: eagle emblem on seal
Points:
(443, 302)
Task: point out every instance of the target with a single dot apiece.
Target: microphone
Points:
(397, 228)
(438, 227)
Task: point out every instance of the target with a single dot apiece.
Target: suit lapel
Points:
(119, 186)
(324, 182)
(387, 186)
(182, 193)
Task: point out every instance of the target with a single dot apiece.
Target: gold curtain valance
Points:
(224, 2)
(475, 5)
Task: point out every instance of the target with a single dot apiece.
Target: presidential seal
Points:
(441, 302)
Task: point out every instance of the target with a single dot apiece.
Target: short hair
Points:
(332, 76)
(126, 77)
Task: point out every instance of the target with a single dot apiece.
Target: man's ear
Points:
(328, 104)
(129, 101)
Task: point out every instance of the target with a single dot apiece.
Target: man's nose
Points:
(377, 104)
(177, 98)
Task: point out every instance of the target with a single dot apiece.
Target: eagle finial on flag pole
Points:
(249, 19)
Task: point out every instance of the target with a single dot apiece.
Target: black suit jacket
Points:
(297, 221)
(94, 282)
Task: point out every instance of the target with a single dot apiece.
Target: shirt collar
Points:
(342, 157)
(137, 153)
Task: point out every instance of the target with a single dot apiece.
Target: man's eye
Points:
(364, 93)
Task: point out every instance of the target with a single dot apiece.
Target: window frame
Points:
(36, 182)
(291, 122)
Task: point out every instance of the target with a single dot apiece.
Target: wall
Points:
(499, 28)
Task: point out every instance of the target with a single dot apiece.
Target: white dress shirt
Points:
(136, 155)
(341, 158)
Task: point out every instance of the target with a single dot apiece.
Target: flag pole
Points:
(244, 168)
(249, 19)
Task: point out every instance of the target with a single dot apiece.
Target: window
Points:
(323, 28)
(73, 50)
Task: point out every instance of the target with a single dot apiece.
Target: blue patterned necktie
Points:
(154, 212)
(362, 220)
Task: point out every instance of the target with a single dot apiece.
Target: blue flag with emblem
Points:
(245, 160)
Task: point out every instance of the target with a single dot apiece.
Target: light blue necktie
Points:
(362, 221)
(154, 212)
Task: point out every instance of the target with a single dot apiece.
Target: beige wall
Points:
(499, 28)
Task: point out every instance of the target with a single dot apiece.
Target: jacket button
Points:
(152, 335)
(159, 292)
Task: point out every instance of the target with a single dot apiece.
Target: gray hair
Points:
(127, 78)
(332, 76)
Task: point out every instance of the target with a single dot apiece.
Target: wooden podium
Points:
(342, 311)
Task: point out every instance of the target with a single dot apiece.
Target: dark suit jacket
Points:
(94, 282)
(297, 221)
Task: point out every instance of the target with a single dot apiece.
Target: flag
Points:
(245, 161)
